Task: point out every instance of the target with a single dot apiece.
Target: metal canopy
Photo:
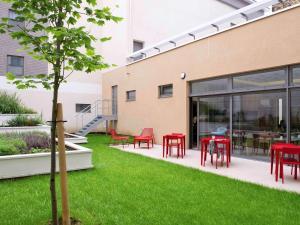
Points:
(247, 13)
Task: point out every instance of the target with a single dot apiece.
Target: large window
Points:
(15, 65)
(295, 116)
(261, 80)
(259, 119)
(296, 75)
(256, 109)
(12, 15)
(165, 90)
(214, 116)
(131, 95)
(209, 86)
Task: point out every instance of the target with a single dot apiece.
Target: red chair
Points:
(147, 136)
(118, 138)
(174, 141)
(286, 158)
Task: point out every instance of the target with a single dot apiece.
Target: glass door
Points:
(214, 116)
(259, 119)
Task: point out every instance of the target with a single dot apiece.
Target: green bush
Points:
(11, 146)
(11, 104)
(24, 143)
(23, 121)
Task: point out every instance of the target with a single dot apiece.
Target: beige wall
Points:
(266, 43)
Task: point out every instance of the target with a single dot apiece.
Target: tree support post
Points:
(62, 166)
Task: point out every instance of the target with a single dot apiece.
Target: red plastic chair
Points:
(174, 141)
(289, 160)
(118, 138)
(147, 136)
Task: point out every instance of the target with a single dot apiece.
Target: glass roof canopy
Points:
(238, 17)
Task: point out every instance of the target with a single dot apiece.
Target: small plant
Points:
(23, 121)
(24, 143)
(11, 146)
(11, 104)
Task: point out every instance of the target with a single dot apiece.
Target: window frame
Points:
(86, 106)
(130, 99)
(161, 89)
(9, 65)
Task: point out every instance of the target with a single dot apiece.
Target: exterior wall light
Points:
(183, 76)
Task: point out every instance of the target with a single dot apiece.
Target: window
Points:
(260, 80)
(83, 108)
(203, 87)
(130, 95)
(296, 75)
(137, 45)
(12, 15)
(15, 65)
(165, 90)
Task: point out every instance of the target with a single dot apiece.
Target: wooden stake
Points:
(62, 166)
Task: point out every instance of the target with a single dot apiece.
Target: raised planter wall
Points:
(76, 139)
(41, 128)
(34, 164)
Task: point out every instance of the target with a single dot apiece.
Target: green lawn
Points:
(125, 188)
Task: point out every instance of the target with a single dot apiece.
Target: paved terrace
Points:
(256, 172)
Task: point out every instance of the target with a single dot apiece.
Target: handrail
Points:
(101, 107)
(244, 12)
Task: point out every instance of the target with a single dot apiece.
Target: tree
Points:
(50, 32)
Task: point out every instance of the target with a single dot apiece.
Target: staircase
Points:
(92, 116)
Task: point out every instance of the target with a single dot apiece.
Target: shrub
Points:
(22, 121)
(37, 140)
(11, 104)
(24, 143)
(11, 146)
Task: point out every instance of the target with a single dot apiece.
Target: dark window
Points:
(137, 45)
(260, 80)
(131, 95)
(296, 75)
(165, 90)
(204, 87)
(12, 15)
(83, 108)
(15, 65)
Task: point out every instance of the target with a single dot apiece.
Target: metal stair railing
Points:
(99, 108)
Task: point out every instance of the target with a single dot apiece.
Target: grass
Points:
(129, 189)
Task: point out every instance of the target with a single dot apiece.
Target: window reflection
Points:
(295, 116)
(258, 121)
(260, 80)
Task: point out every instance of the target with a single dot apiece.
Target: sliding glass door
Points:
(258, 120)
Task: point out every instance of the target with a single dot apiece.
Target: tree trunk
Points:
(53, 156)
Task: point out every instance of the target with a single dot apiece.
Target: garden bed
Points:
(12, 166)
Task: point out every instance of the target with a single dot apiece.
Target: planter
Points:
(6, 117)
(73, 138)
(40, 128)
(34, 164)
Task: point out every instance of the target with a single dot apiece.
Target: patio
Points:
(252, 171)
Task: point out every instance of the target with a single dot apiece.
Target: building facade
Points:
(244, 79)
(145, 22)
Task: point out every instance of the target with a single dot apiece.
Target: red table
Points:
(277, 149)
(218, 140)
(181, 137)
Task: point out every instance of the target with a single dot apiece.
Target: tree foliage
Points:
(49, 23)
